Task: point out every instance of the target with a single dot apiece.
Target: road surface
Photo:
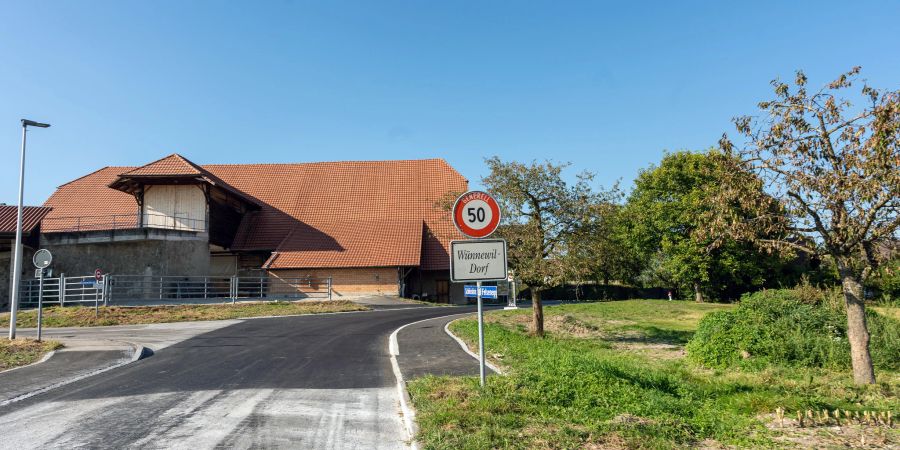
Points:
(318, 382)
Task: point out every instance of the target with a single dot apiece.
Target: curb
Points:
(409, 414)
(140, 352)
(466, 348)
(43, 359)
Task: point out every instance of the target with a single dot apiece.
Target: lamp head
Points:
(31, 123)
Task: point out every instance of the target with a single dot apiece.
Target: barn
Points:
(370, 227)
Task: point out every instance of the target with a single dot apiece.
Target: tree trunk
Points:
(698, 296)
(537, 310)
(857, 330)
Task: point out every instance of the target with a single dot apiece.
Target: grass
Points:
(613, 375)
(890, 311)
(21, 352)
(82, 316)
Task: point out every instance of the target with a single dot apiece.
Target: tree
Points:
(600, 250)
(834, 170)
(665, 212)
(541, 216)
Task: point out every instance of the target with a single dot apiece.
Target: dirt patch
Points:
(652, 350)
(610, 441)
(569, 326)
(828, 434)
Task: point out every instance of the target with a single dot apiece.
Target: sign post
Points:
(476, 214)
(98, 284)
(511, 299)
(42, 259)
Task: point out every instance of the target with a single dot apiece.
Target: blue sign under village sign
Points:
(486, 291)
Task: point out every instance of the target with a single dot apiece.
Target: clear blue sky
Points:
(606, 86)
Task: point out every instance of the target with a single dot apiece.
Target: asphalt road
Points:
(294, 382)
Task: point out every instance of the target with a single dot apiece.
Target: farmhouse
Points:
(372, 227)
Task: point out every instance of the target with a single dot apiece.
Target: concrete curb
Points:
(140, 352)
(409, 413)
(466, 348)
(43, 359)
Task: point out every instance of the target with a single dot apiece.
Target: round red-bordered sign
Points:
(476, 214)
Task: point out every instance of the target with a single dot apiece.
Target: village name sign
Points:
(476, 214)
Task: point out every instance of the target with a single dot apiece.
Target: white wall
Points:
(175, 206)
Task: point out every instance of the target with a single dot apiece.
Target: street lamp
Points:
(17, 261)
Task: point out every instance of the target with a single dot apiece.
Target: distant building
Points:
(373, 226)
(31, 228)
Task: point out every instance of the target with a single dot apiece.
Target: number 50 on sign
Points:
(476, 214)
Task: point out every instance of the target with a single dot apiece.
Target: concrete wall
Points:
(351, 282)
(183, 254)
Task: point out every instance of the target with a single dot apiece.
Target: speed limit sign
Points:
(476, 214)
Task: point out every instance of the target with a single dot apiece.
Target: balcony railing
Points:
(120, 222)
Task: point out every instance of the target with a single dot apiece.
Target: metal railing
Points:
(62, 290)
(140, 289)
(121, 222)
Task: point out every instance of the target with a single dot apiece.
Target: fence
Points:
(139, 289)
(121, 222)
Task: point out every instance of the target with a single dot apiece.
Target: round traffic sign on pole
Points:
(98, 275)
(476, 214)
(42, 258)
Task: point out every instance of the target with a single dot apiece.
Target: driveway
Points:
(301, 382)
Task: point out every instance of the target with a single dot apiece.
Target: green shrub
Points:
(785, 327)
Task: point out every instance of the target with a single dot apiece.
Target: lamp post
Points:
(17, 260)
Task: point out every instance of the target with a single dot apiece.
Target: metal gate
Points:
(146, 290)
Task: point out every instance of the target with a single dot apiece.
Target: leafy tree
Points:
(834, 169)
(665, 213)
(542, 214)
(600, 250)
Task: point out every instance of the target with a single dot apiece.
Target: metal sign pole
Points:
(40, 317)
(481, 371)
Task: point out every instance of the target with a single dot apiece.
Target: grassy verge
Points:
(613, 375)
(80, 316)
(21, 352)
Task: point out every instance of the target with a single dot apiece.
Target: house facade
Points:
(373, 227)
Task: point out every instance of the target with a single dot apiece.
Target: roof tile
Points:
(31, 218)
(368, 208)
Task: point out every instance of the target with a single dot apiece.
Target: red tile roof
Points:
(173, 164)
(31, 218)
(176, 166)
(329, 214)
(366, 243)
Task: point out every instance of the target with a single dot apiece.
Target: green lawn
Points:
(613, 375)
(20, 352)
(82, 316)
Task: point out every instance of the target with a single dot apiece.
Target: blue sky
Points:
(606, 86)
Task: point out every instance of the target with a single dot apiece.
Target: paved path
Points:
(425, 348)
(322, 381)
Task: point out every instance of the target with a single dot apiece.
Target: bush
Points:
(785, 327)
